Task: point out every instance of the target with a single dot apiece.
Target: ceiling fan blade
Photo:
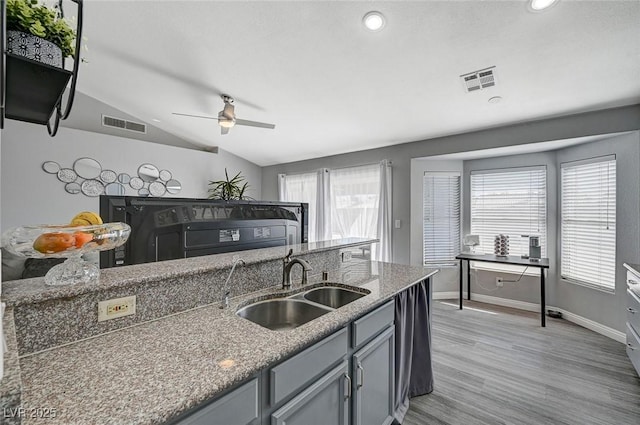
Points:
(224, 130)
(254, 124)
(195, 116)
(228, 111)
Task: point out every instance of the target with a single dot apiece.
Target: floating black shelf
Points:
(33, 89)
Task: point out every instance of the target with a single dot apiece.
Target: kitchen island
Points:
(153, 371)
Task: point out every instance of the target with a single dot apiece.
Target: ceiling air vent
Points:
(479, 80)
(137, 127)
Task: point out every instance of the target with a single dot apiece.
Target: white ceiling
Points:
(330, 86)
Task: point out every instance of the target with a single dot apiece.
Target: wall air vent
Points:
(137, 127)
(479, 80)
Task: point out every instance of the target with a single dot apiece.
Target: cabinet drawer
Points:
(373, 323)
(298, 371)
(239, 407)
(633, 348)
(633, 310)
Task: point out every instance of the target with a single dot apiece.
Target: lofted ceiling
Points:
(331, 86)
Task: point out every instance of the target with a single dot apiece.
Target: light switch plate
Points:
(116, 307)
(397, 224)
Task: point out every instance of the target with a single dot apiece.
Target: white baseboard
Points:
(522, 305)
(451, 295)
(594, 326)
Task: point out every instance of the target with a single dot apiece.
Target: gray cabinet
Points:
(633, 316)
(374, 381)
(239, 407)
(324, 402)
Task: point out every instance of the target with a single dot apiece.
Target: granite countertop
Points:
(151, 372)
(25, 291)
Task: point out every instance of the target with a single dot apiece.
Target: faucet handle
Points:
(287, 257)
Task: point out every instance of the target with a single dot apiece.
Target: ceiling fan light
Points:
(227, 123)
(538, 5)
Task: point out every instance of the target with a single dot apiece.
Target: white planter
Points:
(34, 48)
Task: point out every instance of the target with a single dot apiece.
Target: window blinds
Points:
(511, 202)
(588, 232)
(441, 218)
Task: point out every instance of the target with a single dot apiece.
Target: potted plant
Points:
(229, 189)
(38, 32)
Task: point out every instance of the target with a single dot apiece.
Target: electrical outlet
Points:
(499, 282)
(117, 307)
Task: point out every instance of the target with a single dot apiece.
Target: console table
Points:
(542, 264)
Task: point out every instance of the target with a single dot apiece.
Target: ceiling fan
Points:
(227, 117)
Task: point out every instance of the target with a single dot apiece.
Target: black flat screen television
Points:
(171, 228)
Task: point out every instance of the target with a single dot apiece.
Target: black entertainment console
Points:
(170, 228)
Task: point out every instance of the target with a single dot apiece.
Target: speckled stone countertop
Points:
(149, 373)
(32, 290)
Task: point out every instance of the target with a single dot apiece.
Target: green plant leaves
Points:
(30, 17)
(229, 189)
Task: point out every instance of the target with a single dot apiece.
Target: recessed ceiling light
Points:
(495, 99)
(155, 119)
(374, 21)
(538, 5)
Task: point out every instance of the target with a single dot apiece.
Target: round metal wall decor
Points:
(51, 167)
(67, 175)
(87, 168)
(87, 177)
(92, 188)
(157, 188)
(108, 176)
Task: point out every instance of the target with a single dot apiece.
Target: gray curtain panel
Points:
(414, 375)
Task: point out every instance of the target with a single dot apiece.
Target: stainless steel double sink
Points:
(289, 312)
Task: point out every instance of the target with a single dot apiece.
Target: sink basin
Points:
(332, 296)
(281, 314)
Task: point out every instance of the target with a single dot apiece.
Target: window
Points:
(301, 188)
(588, 226)
(441, 218)
(511, 202)
(355, 194)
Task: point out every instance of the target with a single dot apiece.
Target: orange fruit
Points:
(49, 243)
(82, 238)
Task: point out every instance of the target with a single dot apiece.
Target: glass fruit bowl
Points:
(64, 241)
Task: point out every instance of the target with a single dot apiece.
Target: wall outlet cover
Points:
(116, 307)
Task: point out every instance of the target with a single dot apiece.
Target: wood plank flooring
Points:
(496, 365)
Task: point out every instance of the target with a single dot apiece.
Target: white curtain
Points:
(347, 202)
(323, 205)
(302, 188)
(385, 228)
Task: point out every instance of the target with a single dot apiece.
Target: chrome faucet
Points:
(225, 288)
(288, 263)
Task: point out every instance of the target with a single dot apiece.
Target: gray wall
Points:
(528, 288)
(600, 122)
(602, 307)
(31, 196)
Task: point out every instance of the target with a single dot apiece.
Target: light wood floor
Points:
(503, 368)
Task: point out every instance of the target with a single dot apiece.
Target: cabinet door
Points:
(324, 402)
(239, 407)
(374, 377)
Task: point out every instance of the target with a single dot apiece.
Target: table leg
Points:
(542, 299)
(468, 280)
(461, 284)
